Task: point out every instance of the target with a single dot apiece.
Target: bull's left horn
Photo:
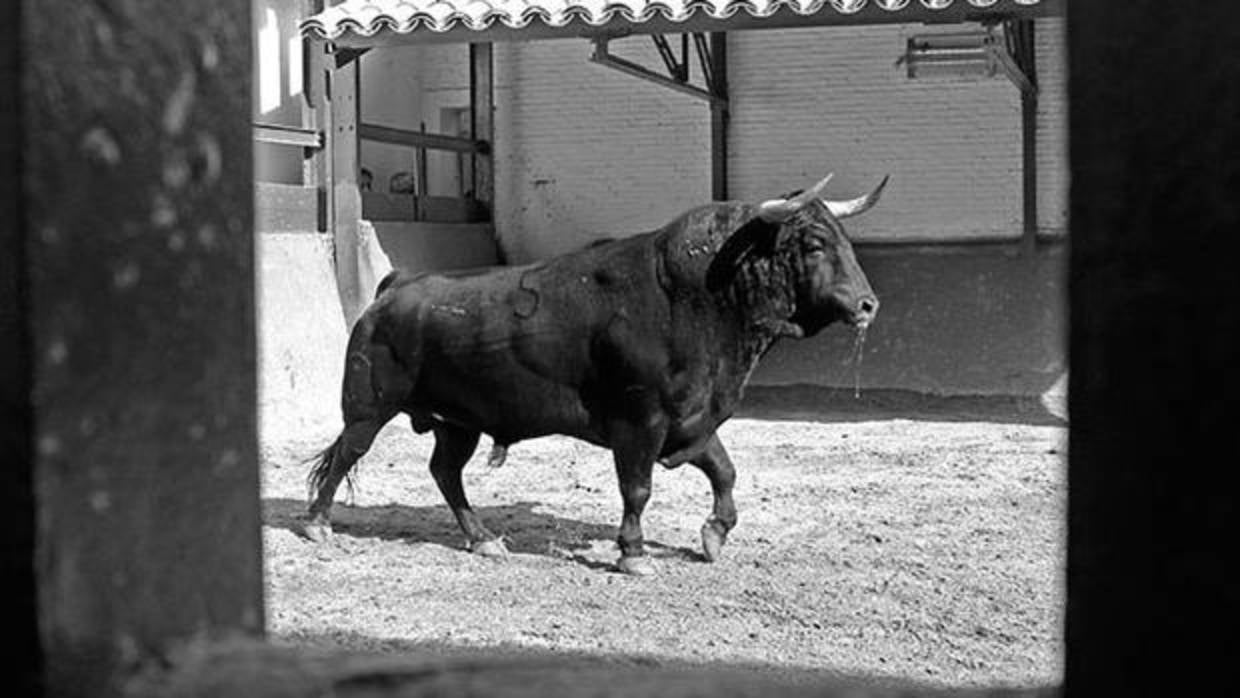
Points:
(859, 205)
(778, 210)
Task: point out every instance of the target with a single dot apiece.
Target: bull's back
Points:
(511, 351)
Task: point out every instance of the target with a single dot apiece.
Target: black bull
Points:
(642, 345)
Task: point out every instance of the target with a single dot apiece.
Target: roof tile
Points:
(369, 17)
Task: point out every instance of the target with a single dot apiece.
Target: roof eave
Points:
(915, 13)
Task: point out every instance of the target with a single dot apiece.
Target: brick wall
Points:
(584, 151)
(809, 101)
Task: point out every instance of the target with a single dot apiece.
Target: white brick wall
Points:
(584, 151)
(808, 101)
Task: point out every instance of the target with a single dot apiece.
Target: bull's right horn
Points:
(859, 205)
(779, 210)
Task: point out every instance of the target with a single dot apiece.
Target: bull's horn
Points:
(777, 210)
(861, 204)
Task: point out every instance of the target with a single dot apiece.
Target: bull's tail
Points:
(322, 466)
(373, 391)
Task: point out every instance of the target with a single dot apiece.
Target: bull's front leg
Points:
(635, 449)
(715, 463)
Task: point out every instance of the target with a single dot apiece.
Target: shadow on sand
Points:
(442, 666)
(523, 528)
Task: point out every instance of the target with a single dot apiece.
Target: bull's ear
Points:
(757, 236)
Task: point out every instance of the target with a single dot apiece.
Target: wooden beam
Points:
(311, 93)
(316, 115)
(419, 139)
(344, 195)
(287, 135)
(482, 121)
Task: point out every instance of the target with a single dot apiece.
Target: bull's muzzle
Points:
(864, 312)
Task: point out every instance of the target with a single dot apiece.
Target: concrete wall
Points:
(432, 246)
(301, 335)
(983, 320)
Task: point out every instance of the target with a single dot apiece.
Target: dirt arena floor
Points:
(889, 537)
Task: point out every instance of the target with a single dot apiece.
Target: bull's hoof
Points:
(317, 531)
(638, 566)
(490, 548)
(713, 538)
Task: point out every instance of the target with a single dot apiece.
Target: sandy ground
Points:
(888, 537)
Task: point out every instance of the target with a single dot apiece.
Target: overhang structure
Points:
(372, 23)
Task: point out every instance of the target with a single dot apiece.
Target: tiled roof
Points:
(369, 17)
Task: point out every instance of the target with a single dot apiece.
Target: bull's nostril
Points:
(869, 306)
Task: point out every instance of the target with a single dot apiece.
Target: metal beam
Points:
(719, 115)
(704, 60)
(603, 57)
(1004, 61)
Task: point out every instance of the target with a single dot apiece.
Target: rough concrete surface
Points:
(301, 333)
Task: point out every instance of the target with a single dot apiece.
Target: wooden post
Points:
(128, 305)
(311, 100)
(316, 114)
(345, 199)
(482, 122)
(1153, 105)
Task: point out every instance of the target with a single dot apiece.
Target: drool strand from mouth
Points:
(858, 343)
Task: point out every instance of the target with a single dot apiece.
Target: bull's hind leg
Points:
(453, 447)
(714, 461)
(331, 467)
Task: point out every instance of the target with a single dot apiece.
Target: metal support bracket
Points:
(1012, 55)
(343, 56)
(677, 68)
